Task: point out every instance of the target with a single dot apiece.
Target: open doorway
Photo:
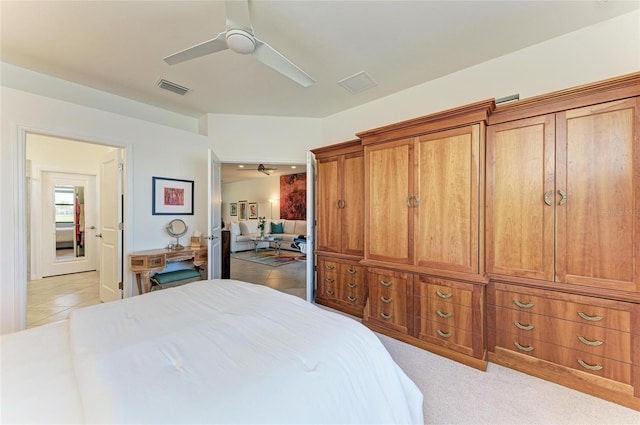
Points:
(63, 225)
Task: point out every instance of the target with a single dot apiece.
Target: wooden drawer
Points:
(353, 271)
(595, 340)
(446, 335)
(591, 311)
(328, 266)
(449, 314)
(389, 308)
(387, 281)
(578, 360)
(450, 294)
(147, 262)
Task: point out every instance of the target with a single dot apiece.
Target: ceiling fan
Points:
(261, 168)
(240, 38)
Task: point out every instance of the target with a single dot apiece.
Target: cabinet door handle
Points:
(564, 197)
(352, 299)
(523, 327)
(352, 285)
(590, 318)
(445, 296)
(329, 267)
(385, 283)
(416, 201)
(444, 315)
(343, 204)
(385, 300)
(588, 366)
(522, 305)
(385, 316)
(547, 197)
(444, 334)
(409, 201)
(352, 271)
(522, 347)
(588, 342)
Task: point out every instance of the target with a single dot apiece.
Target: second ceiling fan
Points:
(261, 168)
(240, 38)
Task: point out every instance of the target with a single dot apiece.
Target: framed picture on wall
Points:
(234, 209)
(172, 196)
(253, 210)
(242, 214)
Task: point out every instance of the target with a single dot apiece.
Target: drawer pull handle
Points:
(547, 197)
(352, 299)
(523, 327)
(590, 343)
(352, 285)
(445, 296)
(330, 292)
(352, 271)
(522, 305)
(328, 267)
(385, 316)
(588, 366)
(444, 315)
(385, 300)
(385, 283)
(329, 280)
(522, 347)
(444, 334)
(590, 318)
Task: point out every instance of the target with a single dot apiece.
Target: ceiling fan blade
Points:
(211, 46)
(238, 15)
(273, 59)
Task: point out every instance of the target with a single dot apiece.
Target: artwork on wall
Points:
(234, 209)
(253, 210)
(293, 196)
(172, 196)
(242, 214)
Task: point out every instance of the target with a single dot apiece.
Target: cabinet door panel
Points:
(520, 172)
(597, 219)
(328, 230)
(446, 225)
(389, 175)
(353, 211)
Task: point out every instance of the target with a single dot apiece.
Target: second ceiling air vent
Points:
(173, 87)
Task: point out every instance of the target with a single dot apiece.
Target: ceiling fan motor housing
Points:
(240, 41)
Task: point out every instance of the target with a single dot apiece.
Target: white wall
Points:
(152, 150)
(255, 190)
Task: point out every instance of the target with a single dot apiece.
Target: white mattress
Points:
(219, 351)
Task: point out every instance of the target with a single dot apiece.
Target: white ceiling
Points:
(119, 46)
(237, 172)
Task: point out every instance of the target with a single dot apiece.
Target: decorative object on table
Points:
(195, 239)
(261, 225)
(172, 196)
(177, 228)
(234, 209)
(253, 210)
(293, 196)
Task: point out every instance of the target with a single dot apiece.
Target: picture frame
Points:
(172, 196)
(243, 211)
(233, 209)
(253, 210)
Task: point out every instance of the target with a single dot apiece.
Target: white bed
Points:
(218, 351)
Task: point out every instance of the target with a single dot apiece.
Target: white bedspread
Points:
(225, 351)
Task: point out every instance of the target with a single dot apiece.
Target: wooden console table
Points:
(143, 263)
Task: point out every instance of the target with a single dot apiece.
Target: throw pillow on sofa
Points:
(277, 228)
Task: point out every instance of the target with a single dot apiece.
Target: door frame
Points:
(20, 233)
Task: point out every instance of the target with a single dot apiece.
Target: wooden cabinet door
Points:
(446, 222)
(328, 233)
(598, 195)
(520, 197)
(389, 218)
(352, 219)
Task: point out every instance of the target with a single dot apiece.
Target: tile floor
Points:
(53, 298)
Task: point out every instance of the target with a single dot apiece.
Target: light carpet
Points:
(268, 258)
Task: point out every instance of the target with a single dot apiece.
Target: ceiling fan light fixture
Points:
(240, 41)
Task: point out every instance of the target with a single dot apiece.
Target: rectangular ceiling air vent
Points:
(173, 87)
(358, 82)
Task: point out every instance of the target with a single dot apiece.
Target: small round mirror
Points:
(177, 228)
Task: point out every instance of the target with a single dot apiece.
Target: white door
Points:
(214, 217)
(311, 228)
(111, 226)
(68, 223)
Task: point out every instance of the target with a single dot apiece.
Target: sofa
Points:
(242, 232)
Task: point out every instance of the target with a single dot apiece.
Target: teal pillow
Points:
(277, 228)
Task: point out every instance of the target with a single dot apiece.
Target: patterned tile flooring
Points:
(53, 298)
